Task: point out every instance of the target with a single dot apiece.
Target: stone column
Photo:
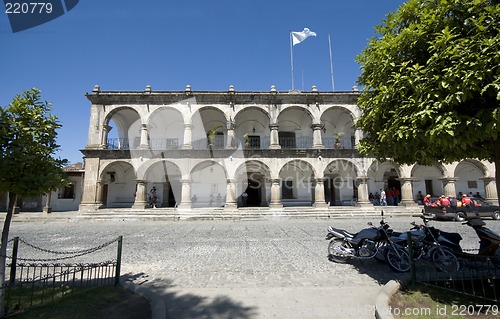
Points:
(89, 196)
(144, 137)
(362, 184)
(188, 144)
(230, 194)
(317, 140)
(185, 194)
(230, 143)
(319, 194)
(449, 186)
(274, 142)
(47, 209)
(407, 192)
(99, 200)
(490, 190)
(105, 131)
(358, 135)
(141, 195)
(275, 193)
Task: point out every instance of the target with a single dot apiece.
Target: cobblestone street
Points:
(234, 269)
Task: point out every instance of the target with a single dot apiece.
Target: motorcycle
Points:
(489, 242)
(427, 242)
(366, 244)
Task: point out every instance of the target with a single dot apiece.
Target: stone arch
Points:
(165, 176)
(338, 123)
(121, 128)
(207, 118)
(294, 129)
(469, 174)
(297, 183)
(253, 177)
(166, 128)
(340, 182)
(253, 121)
(209, 184)
(117, 180)
(427, 179)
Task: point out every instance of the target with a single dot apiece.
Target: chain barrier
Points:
(70, 254)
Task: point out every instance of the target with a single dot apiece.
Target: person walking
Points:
(383, 198)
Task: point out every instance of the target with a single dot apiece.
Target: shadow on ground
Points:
(167, 303)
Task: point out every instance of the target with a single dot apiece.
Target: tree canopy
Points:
(431, 83)
(27, 147)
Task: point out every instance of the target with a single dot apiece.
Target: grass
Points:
(99, 302)
(424, 301)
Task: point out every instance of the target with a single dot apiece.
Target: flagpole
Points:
(291, 59)
(331, 63)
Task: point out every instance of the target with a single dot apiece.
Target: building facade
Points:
(189, 149)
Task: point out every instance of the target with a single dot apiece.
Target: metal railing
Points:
(219, 143)
(476, 276)
(35, 281)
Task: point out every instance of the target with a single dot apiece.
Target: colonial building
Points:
(190, 149)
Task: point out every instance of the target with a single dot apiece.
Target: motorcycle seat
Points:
(341, 232)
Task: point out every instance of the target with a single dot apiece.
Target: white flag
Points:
(298, 37)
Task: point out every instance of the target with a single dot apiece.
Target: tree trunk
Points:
(3, 249)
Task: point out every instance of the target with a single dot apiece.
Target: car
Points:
(480, 208)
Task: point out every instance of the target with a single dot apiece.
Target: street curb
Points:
(383, 298)
(158, 310)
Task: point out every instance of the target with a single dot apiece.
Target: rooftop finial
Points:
(231, 88)
(355, 88)
(96, 89)
(273, 88)
(314, 89)
(188, 88)
(148, 89)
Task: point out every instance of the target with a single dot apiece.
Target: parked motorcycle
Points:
(365, 244)
(489, 242)
(427, 242)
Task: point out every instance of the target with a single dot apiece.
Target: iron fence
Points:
(473, 275)
(35, 281)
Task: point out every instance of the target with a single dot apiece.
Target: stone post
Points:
(361, 182)
(99, 199)
(47, 209)
(105, 131)
(89, 196)
(144, 137)
(319, 194)
(275, 193)
(407, 192)
(449, 186)
(490, 190)
(141, 195)
(317, 140)
(188, 144)
(230, 194)
(185, 194)
(274, 142)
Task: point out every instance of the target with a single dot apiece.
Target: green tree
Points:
(27, 164)
(431, 79)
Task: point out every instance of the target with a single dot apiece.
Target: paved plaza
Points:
(274, 268)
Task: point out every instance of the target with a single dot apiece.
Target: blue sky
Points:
(128, 44)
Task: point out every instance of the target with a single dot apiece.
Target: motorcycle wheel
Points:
(495, 259)
(333, 255)
(444, 260)
(397, 259)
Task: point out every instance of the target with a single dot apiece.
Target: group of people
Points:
(444, 201)
(389, 197)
